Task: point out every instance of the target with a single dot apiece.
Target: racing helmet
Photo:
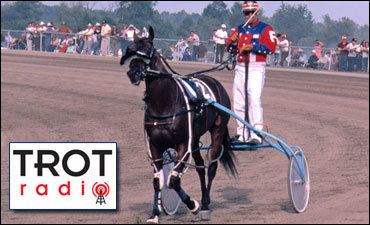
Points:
(250, 6)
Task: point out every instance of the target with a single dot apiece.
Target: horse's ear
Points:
(151, 33)
(136, 38)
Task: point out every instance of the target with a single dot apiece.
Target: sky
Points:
(358, 11)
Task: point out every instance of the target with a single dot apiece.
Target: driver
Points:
(253, 42)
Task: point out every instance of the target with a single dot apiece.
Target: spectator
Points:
(80, 42)
(106, 31)
(123, 38)
(41, 30)
(277, 52)
(63, 46)
(20, 43)
(365, 56)
(47, 40)
(318, 45)
(312, 61)
(202, 52)
(187, 56)
(174, 52)
(220, 39)
(115, 35)
(54, 44)
(8, 40)
(181, 46)
(294, 59)
(213, 41)
(194, 38)
(302, 58)
(324, 61)
(88, 38)
(351, 47)
(342, 53)
(96, 39)
(144, 33)
(131, 30)
(64, 29)
(284, 48)
(359, 57)
(71, 46)
(36, 38)
(31, 31)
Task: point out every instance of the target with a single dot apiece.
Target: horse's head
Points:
(139, 56)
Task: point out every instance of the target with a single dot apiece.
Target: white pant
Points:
(256, 80)
(105, 44)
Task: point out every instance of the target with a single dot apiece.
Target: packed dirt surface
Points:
(58, 97)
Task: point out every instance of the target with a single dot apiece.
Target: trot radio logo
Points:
(62, 175)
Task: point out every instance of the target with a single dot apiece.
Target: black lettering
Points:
(102, 154)
(84, 169)
(23, 154)
(40, 165)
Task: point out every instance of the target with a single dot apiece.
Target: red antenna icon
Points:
(100, 191)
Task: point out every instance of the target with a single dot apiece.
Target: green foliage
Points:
(186, 26)
(294, 20)
(236, 17)
(218, 11)
(16, 16)
(139, 13)
(363, 32)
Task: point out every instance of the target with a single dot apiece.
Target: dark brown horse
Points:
(169, 123)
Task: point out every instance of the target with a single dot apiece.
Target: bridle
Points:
(147, 59)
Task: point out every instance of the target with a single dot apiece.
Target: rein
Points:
(158, 74)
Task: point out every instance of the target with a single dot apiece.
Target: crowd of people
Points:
(348, 56)
(97, 39)
(94, 39)
(104, 39)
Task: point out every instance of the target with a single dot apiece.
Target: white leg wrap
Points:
(160, 175)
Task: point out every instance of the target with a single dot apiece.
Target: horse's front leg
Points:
(175, 180)
(158, 182)
(199, 162)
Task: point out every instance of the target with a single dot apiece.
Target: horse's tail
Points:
(228, 158)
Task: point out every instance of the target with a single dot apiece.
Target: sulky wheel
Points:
(170, 200)
(299, 189)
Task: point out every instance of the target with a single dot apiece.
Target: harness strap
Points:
(169, 116)
(168, 66)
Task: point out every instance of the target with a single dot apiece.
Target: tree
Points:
(76, 16)
(186, 26)
(330, 31)
(363, 32)
(295, 21)
(140, 13)
(218, 11)
(236, 16)
(18, 14)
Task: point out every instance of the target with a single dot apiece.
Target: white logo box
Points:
(89, 191)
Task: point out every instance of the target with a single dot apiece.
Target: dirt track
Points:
(48, 97)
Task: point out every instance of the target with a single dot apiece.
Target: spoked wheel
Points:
(170, 201)
(299, 189)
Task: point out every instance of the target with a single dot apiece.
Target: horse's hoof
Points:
(205, 214)
(153, 220)
(196, 209)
